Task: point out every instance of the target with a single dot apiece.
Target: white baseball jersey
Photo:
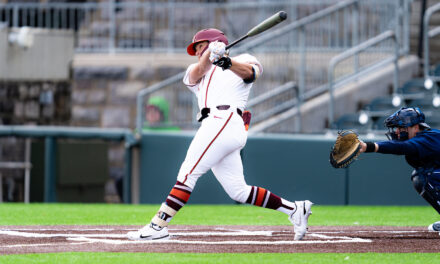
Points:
(220, 87)
(222, 134)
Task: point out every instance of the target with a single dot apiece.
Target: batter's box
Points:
(218, 239)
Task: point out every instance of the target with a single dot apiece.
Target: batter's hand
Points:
(217, 50)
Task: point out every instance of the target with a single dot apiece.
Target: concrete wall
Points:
(35, 79)
(105, 86)
(35, 88)
(48, 58)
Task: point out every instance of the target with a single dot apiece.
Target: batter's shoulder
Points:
(248, 58)
(244, 57)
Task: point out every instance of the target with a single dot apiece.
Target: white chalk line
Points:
(44, 245)
(174, 229)
(44, 235)
(234, 242)
(177, 238)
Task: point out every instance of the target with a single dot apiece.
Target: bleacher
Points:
(412, 93)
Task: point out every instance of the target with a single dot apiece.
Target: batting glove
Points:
(214, 57)
(224, 62)
(217, 50)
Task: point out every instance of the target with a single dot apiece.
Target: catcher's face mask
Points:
(404, 118)
(397, 133)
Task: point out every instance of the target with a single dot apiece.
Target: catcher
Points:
(410, 136)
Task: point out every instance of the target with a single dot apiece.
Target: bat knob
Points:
(282, 15)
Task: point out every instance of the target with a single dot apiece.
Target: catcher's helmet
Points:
(405, 117)
(209, 34)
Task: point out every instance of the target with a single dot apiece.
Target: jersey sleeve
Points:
(247, 58)
(408, 147)
(192, 87)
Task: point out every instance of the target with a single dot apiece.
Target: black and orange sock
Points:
(178, 196)
(264, 198)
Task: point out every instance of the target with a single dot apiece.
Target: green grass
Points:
(117, 214)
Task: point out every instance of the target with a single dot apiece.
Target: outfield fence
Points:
(51, 135)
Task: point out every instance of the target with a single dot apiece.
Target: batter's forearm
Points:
(243, 70)
(201, 68)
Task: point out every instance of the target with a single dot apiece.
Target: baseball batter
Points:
(412, 137)
(222, 85)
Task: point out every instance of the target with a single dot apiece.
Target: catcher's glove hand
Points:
(345, 150)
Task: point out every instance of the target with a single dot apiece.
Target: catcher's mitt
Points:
(345, 150)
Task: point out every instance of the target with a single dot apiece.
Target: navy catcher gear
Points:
(427, 190)
(404, 117)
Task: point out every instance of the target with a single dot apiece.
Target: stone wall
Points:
(101, 93)
(104, 95)
(37, 102)
(28, 103)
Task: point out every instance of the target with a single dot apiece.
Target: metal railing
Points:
(375, 65)
(428, 34)
(298, 51)
(24, 165)
(273, 57)
(166, 26)
(153, 26)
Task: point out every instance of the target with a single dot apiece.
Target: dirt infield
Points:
(218, 239)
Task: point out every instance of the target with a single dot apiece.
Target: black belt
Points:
(204, 113)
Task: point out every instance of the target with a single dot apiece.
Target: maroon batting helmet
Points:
(209, 34)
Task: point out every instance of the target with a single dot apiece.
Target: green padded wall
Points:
(81, 169)
(295, 167)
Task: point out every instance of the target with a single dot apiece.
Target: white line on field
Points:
(45, 245)
(288, 242)
(234, 233)
(171, 241)
(178, 238)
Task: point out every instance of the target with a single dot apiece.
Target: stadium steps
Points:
(314, 113)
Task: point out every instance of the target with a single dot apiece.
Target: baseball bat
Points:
(263, 26)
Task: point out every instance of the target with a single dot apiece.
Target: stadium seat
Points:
(413, 89)
(425, 104)
(378, 123)
(433, 121)
(381, 105)
(351, 121)
(436, 70)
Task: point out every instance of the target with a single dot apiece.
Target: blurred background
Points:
(93, 109)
